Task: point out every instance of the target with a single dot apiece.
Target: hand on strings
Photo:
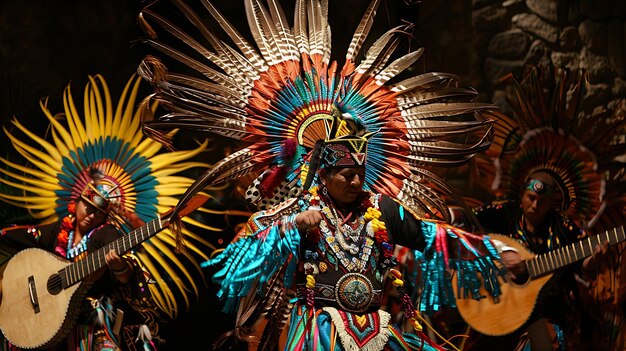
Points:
(308, 220)
(592, 263)
(118, 265)
(514, 263)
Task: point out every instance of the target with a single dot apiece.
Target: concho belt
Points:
(354, 292)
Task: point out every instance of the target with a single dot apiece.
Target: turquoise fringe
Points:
(255, 258)
(437, 290)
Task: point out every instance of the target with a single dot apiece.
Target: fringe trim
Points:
(347, 341)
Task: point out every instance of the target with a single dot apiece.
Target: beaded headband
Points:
(539, 187)
(346, 146)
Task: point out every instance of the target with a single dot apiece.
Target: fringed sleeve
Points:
(472, 257)
(269, 242)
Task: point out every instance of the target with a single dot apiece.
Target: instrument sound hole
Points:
(520, 279)
(54, 284)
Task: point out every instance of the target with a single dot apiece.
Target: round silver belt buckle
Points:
(354, 292)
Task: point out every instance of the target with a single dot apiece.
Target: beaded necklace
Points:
(74, 250)
(337, 243)
(352, 231)
(77, 250)
(375, 233)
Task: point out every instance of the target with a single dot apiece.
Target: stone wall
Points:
(589, 34)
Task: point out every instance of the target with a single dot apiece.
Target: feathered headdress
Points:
(285, 88)
(103, 158)
(345, 146)
(547, 133)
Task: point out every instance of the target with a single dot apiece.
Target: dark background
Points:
(46, 45)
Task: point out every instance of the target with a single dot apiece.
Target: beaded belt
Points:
(353, 292)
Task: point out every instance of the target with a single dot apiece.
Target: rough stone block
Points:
(593, 35)
(534, 25)
(511, 44)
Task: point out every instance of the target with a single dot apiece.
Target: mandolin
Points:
(42, 292)
(509, 311)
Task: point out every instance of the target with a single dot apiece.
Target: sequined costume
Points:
(348, 269)
(337, 271)
(279, 99)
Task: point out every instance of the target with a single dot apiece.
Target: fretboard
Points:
(550, 261)
(80, 269)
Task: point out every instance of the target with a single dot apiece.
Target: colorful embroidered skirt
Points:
(329, 329)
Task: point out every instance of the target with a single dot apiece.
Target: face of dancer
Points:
(88, 216)
(344, 184)
(537, 205)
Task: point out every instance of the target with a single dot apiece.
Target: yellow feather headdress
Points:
(107, 138)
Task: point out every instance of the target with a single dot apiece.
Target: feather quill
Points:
(287, 42)
(248, 50)
(257, 29)
(362, 31)
(300, 29)
(398, 66)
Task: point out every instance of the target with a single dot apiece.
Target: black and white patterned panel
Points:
(282, 192)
